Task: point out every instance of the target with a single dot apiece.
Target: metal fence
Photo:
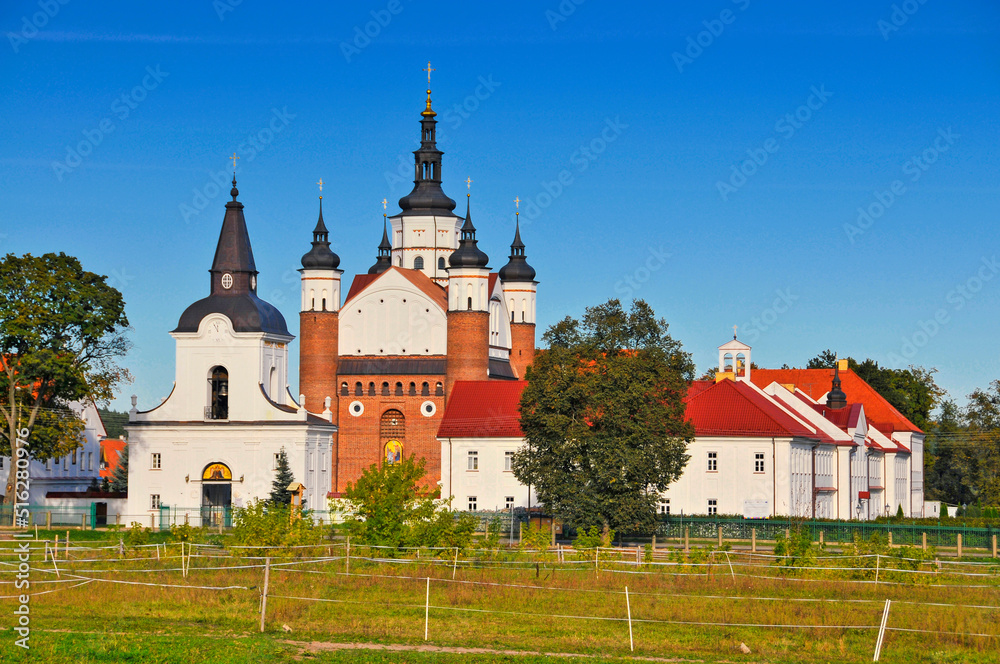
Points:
(834, 532)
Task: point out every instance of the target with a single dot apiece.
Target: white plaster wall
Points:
(319, 284)
(431, 237)
(393, 318)
(491, 484)
(520, 299)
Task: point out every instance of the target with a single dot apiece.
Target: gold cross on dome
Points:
(468, 183)
(517, 202)
(429, 70)
(234, 158)
(385, 202)
(320, 183)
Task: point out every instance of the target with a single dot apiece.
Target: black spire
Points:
(384, 260)
(233, 254)
(517, 268)
(836, 398)
(427, 196)
(234, 282)
(320, 257)
(468, 253)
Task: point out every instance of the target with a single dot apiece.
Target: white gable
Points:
(393, 317)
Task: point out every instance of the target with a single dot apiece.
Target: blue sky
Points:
(713, 157)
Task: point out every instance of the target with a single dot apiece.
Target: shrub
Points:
(137, 535)
(593, 537)
(182, 532)
(271, 526)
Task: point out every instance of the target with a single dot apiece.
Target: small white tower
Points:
(734, 360)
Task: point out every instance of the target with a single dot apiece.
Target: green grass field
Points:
(142, 609)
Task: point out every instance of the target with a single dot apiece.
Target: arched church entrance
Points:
(216, 495)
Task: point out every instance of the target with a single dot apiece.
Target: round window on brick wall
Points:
(356, 408)
(427, 409)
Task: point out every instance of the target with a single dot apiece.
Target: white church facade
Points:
(213, 443)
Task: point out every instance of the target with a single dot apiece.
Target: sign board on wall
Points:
(759, 508)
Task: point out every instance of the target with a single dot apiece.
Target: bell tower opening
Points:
(218, 407)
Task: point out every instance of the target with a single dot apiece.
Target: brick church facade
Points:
(428, 313)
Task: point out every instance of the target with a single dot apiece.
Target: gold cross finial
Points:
(468, 183)
(385, 202)
(234, 158)
(320, 183)
(429, 70)
(517, 203)
(734, 330)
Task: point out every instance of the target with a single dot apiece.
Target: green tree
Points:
(62, 329)
(603, 417)
(981, 447)
(948, 463)
(283, 478)
(386, 500)
(119, 478)
(825, 360)
(114, 422)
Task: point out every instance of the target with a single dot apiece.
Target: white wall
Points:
(490, 483)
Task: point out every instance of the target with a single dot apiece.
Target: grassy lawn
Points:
(140, 609)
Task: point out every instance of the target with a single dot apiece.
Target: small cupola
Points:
(320, 257)
(468, 253)
(517, 268)
(734, 360)
(836, 398)
(384, 260)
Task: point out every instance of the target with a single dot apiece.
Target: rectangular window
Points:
(74, 457)
(713, 506)
(154, 461)
(713, 462)
(1, 463)
(274, 463)
(48, 464)
(758, 462)
(154, 501)
(508, 461)
(665, 506)
(473, 462)
(65, 463)
(509, 502)
(90, 460)
(472, 503)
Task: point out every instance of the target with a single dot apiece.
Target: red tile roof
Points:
(817, 382)
(416, 277)
(733, 408)
(111, 448)
(483, 409)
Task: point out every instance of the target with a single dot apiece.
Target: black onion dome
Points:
(320, 257)
(517, 268)
(427, 197)
(468, 253)
(234, 282)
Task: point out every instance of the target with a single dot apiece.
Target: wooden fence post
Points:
(958, 541)
(654, 543)
(890, 539)
(263, 599)
(720, 536)
(994, 546)
(822, 535)
(48, 521)
(753, 540)
(687, 535)
(923, 541)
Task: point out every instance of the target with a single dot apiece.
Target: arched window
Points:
(413, 389)
(741, 364)
(324, 304)
(344, 390)
(425, 389)
(385, 389)
(371, 389)
(418, 263)
(359, 389)
(392, 432)
(441, 264)
(399, 389)
(470, 304)
(218, 407)
(727, 362)
(439, 389)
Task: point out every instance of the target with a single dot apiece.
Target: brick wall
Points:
(319, 332)
(522, 351)
(468, 346)
(359, 441)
